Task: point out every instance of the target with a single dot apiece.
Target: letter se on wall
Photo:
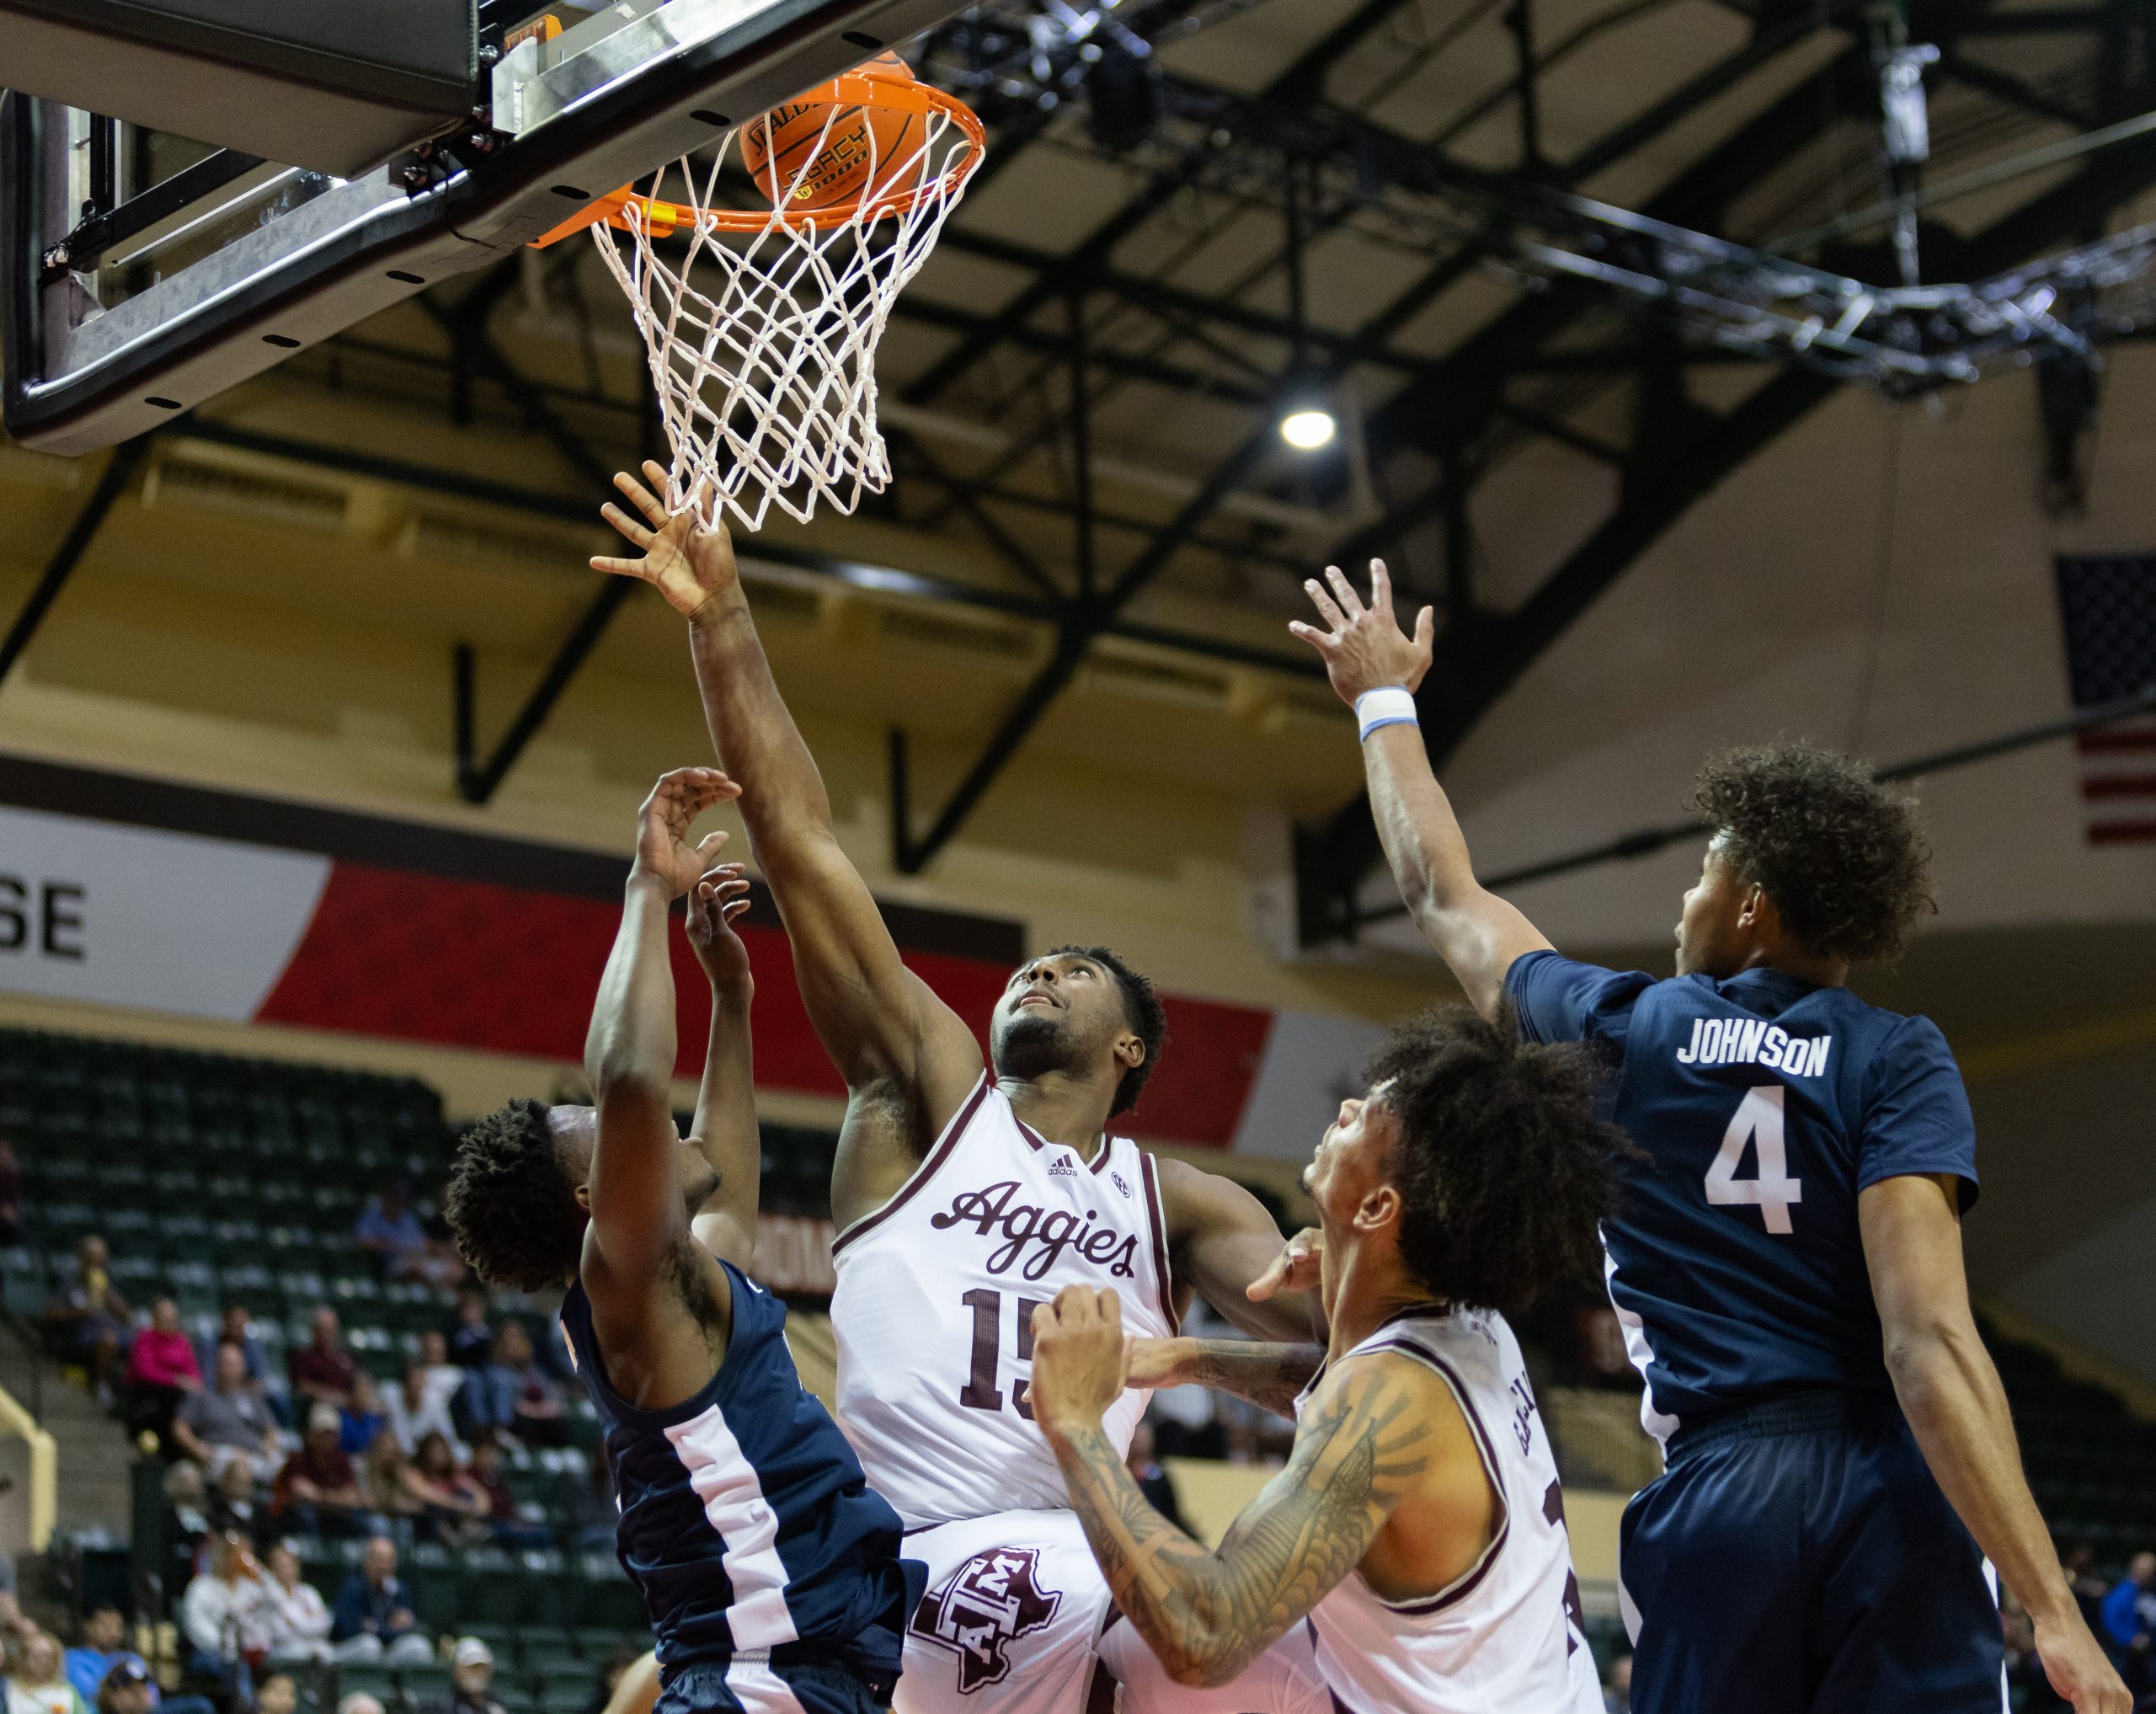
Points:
(42, 918)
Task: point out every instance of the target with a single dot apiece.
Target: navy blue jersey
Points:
(1764, 1105)
(746, 1523)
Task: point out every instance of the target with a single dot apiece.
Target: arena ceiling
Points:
(1192, 216)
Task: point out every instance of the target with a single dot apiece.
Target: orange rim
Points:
(624, 209)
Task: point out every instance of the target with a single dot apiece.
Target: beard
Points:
(1031, 1045)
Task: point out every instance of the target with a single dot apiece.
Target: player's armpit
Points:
(1219, 1240)
(1366, 1438)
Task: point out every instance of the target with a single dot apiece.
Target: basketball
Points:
(821, 152)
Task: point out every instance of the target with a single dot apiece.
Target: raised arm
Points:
(1376, 668)
(638, 1220)
(1208, 1613)
(725, 1125)
(880, 1023)
(1950, 1393)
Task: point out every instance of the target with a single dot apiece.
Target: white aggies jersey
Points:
(1507, 1636)
(934, 1309)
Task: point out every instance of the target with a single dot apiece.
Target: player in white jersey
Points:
(961, 1190)
(1419, 1530)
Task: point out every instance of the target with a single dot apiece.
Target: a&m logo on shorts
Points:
(987, 1603)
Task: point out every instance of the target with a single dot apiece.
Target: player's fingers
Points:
(1044, 1321)
(1110, 1307)
(709, 846)
(732, 909)
(1425, 630)
(635, 533)
(1322, 641)
(1327, 609)
(1350, 603)
(638, 495)
(1268, 1282)
(1381, 588)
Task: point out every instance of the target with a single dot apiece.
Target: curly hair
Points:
(1503, 1169)
(1843, 857)
(1141, 1009)
(510, 1204)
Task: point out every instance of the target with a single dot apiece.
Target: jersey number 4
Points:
(1760, 1119)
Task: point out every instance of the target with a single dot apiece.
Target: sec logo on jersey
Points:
(983, 1606)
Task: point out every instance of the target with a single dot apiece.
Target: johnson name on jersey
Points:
(934, 1308)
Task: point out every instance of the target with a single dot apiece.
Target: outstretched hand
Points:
(685, 563)
(1363, 648)
(718, 897)
(664, 853)
(1295, 1268)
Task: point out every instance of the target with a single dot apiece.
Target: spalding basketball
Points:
(822, 151)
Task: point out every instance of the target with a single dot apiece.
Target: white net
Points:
(762, 330)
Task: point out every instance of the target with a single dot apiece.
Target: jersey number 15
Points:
(1760, 1118)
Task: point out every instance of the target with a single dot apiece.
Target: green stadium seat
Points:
(567, 1694)
(423, 1685)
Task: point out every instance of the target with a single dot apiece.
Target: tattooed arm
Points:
(1207, 1614)
(1271, 1377)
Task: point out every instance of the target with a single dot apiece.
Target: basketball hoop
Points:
(762, 330)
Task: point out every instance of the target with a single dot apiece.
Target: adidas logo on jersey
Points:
(1062, 1167)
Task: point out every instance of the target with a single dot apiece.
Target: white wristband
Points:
(1389, 705)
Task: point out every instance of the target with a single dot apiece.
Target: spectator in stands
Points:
(299, 1618)
(87, 1323)
(321, 1369)
(471, 1340)
(456, 1509)
(236, 1327)
(1617, 1687)
(2130, 1622)
(161, 1372)
(227, 1419)
(223, 1615)
(130, 1688)
(361, 1418)
(416, 1408)
(359, 1702)
(187, 1521)
(385, 1479)
(318, 1492)
(1152, 1481)
(233, 1500)
(373, 1618)
(510, 1529)
(471, 1678)
(11, 1195)
(389, 1230)
(445, 1378)
(277, 1694)
(517, 1397)
(37, 1679)
(102, 1647)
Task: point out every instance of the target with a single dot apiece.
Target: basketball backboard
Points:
(141, 274)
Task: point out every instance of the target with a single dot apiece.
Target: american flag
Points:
(2107, 607)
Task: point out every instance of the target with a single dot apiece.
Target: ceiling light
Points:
(1308, 429)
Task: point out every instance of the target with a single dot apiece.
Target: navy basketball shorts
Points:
(754, 1683)
(1799, 1558)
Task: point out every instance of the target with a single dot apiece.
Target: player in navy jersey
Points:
(1787, 1266)
(769, 1568)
